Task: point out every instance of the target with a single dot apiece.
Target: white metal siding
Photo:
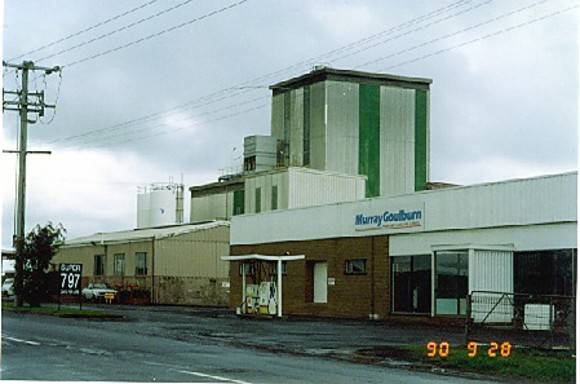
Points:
(265, 183)
(212, 207)
(296, 127)
(308, 188)
(523, 238)
(491, 270)
(544, 200)
(342, 127)
(397, 136)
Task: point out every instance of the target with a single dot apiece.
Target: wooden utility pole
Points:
(24, 106)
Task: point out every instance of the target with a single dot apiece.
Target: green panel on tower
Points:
(420, 140)
(369, 137)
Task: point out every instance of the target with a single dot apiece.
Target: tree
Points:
(40, 245)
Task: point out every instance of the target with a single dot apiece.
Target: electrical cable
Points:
(157, 34)
(216, 93)
(115, 31)
(445, 36)
(85, 30)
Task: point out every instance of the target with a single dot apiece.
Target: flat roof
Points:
(217, 186)
(327, 73)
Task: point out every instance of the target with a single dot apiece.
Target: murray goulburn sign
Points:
(397, 218)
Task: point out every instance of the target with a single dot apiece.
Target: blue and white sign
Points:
(398, 218)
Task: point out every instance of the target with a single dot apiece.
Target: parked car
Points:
(97, 291)
(8, 287)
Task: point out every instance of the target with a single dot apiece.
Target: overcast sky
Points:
(504, 101)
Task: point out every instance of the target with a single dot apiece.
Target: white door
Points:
(320, 282)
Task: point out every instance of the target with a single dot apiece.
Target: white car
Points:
(8, 287)
(97, 291)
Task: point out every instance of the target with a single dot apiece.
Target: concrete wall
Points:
(352, 296)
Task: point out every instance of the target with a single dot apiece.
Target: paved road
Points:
(48, 348)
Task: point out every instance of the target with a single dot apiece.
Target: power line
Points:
(452, 34)
(489, 35)
(115, 31)
(121, 134)
(157, 34)
(85, 30)
(447, 36)
(195, 102)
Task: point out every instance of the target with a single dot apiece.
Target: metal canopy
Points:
(277, 258)
(257, 256)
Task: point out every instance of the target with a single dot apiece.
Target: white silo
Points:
(159, 204)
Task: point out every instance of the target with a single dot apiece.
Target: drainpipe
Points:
(373, 278)
(153, 301)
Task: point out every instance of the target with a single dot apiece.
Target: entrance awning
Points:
(274, 258)
(257, 256)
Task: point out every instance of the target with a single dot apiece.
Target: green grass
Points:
(63, 312)
(523, 363)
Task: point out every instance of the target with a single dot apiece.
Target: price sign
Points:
(70, 279)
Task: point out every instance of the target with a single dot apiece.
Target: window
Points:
(140, 263)
(119, 264)
(250, 269)
(258, 200)
(250, 163)
(451, 282)
(99, 265)
(545, 272)
(239, 202)
(356, 267)
(411, 283)
(274, 197)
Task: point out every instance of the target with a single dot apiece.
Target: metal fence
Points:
(543, 321)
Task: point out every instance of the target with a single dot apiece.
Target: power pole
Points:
(24, 106)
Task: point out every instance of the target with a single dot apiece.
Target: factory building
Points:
(331, 130)
(418, 253)
(177, 264)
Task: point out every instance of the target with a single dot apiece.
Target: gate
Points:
(542, 321)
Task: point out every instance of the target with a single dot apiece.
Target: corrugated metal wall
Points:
(278, 116)
(313, 188)
(397, 149)
(550, 199)
(195, 254)
(342, 127)
(296, 127)
(318, 126)
(391, 158)
(265, 183)
(212, 207)
(491, 270)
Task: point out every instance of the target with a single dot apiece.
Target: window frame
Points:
(116, 258)
(138, 268)
(351, 262)
(102, 264)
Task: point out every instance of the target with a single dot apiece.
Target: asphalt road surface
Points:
(49, 348)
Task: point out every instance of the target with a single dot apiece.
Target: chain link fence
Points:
(541, 321)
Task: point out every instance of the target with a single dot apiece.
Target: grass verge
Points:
(536, 365)
(63, 312)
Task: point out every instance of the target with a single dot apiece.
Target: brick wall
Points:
(353, 296)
